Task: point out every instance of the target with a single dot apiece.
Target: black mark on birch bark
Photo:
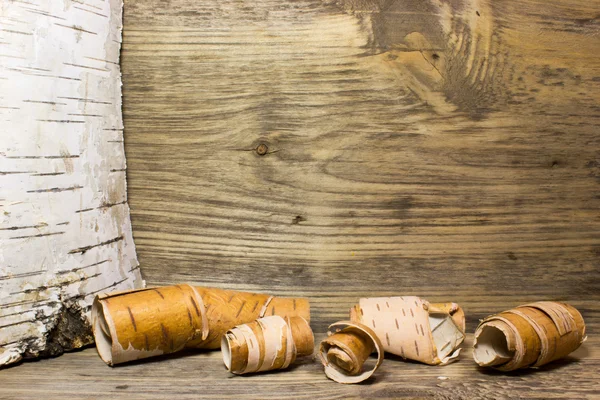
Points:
(82, 250)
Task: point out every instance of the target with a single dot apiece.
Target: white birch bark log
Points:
(65, 232)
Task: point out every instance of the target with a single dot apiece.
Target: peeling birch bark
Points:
(413, 328)
(137, 324)
(65, 232)
(528, 336)
(346, 349)
(266, 344)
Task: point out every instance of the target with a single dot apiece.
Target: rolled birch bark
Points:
(137, 324)
(528, 336)
(346, 349)
(413, 328)
(266, 344)
(228, 308)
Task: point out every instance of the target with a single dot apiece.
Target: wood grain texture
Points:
(83, 375)
(445, 149)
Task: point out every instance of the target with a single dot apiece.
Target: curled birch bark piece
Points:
(413, 328)
(137, 324)
(346, 349)
(266, 344)
(528, 336)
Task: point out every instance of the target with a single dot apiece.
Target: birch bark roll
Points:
(228, 308)
(346, 349)
(413, 328)
(266, 344)
(138, 324)
(528, 336)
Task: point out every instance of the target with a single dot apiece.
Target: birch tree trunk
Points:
(65, 232)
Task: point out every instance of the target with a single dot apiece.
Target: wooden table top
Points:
(83, 375)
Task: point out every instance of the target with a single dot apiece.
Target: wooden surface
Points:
(84, 376)
(479, 187)
(447, 149)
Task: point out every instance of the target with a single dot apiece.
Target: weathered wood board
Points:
(83, 375)
(65, 232)
(446, 149)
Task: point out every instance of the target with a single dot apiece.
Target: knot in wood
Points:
(262, 149)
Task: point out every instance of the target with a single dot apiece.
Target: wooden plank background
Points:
(479, 184)
(338, 149)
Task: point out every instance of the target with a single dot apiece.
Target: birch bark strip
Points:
(413, 328)
(65, 232)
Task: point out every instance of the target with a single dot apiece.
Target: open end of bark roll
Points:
(342, 360)
(491, 347)
(102, 334)
(447, 336)
(226, 351)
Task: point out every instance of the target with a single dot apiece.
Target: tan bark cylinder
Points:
(528, 336)
(346, 349)
(266, 344)
(227, 308)
(413, 328)
(143, 323)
